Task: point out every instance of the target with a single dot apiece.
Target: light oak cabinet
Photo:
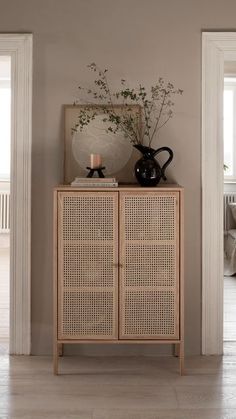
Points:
(118, 266)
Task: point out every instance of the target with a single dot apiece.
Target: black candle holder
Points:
(96, 169)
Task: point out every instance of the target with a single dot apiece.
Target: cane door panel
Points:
(88, 265)
(149, 279)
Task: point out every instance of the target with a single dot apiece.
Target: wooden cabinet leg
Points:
(60, 349)
(55, 358)
(181, 358)
(176, 350)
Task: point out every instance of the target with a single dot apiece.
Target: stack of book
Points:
(108, 182)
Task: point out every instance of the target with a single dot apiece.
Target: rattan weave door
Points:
(87, 265)
(149, 253)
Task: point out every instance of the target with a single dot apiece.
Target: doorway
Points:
(229, 205)
(217, 49)
(19, 48)
(5, 136)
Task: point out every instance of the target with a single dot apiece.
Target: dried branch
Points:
(156, 107)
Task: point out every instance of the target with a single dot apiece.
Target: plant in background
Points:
(139, 124)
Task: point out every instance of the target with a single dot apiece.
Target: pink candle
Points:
(95, 161)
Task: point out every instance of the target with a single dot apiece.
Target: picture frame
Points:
(118, 154)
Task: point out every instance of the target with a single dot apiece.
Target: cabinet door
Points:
(149, 277)
(87, 265)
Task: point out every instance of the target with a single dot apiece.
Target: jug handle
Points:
(171, 155)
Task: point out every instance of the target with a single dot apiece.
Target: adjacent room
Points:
(229, 208)
(5, 135)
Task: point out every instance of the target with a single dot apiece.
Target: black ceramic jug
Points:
(148, 172)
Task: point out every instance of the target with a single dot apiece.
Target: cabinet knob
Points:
(117, 265)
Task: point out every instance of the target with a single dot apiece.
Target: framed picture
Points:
(118, 154)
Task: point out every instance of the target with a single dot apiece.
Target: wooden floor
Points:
(118, 388)
(230, 308)
(4, 292)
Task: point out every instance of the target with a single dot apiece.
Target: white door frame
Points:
(19, 47)
(217, 47)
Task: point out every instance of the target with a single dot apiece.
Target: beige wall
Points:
(230, 68)
(137, 40)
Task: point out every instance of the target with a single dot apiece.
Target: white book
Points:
(94, 185)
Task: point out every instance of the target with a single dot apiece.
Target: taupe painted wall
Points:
(137, 40)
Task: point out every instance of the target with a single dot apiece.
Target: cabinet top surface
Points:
(161, 187)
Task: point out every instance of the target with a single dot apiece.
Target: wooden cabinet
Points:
(118, 262)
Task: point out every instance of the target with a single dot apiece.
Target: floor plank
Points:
(4, 292)
(230, 308)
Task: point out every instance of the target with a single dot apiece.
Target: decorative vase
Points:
(148, 172)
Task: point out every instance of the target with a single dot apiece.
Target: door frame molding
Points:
(217, 47)
(20, 47)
